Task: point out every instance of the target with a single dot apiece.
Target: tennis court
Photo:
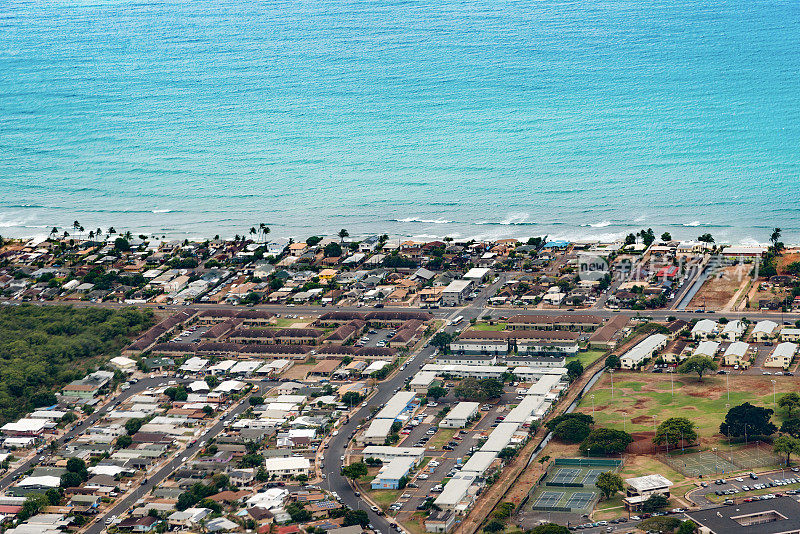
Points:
(700, 463)
(752, 458)
(566, 475)
(549, 499)
(580, 500)
(569, 486)
(591, 476)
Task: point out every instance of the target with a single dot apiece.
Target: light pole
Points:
(592, 405)
(773, 392)
(672, 383)
(728, 385)
(611, 372)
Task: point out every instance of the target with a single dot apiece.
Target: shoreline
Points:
(413, 229)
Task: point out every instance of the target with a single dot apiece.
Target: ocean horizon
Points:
(573, 119)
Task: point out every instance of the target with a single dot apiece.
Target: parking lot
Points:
(376, 338)
(447, 449)
(740, 486)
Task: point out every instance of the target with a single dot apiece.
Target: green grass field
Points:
(488, 327)
(587, 358)
(640, 396)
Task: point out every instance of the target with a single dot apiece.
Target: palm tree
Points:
(53, 232)
(252, 230)
(343, 233)
(774, 239)
(91, 235)
(264, 230)
(128, 235)
(112, 231)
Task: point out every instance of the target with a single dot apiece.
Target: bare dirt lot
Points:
(717, 291)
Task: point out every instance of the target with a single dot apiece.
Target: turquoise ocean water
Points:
(583, 118)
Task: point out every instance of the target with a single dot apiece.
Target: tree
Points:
(436, 392)
(132, 426)
(706, 238)
(298, 513)
(655, 502)
(442, 340)
(71, 480)
(507, 453)
(609, 483)
(613, 362)
(550, 528)
(555, 421)
(251, 460)
(572, 431)
(343, 233)
(687, 527)
(791, 427)
(77, 466)
(355, 470)
(351, 398)
(774, 238)
(574, 370)
(747, 420)
(666, 236)
(495, 525)
(333, 250)
(698, 364)
(255, 400)
(356, 517)
(33, 504)
(124, 441)
(605, 441)
(675, 431)
(177, 393)
(787, 445)
(212, 381)
(53, 496)
(121, 244)
(790, 403)
(478, 389)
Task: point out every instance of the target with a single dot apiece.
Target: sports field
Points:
(568, 486)
(638, 397)
(722, 461)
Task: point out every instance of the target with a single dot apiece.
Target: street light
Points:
(592, 405)
(773, 392)
(728, 385)
(611, 372)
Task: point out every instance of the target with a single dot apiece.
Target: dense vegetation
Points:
(43, 348)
